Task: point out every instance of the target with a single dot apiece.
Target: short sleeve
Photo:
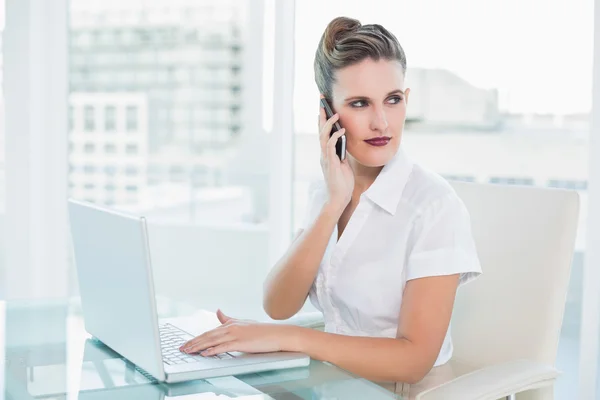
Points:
(443, 242)
(314, 203)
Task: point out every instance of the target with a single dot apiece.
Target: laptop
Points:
(114, 270)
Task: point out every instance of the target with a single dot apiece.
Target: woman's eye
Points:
(363, 103)
(359, 103)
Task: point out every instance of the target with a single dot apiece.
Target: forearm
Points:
(287, 285)
(377, 359)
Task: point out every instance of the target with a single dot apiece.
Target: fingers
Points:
(222, 348)
(206, 336)
(326, 129)
(222, 317)
(206, 342)
(333, 139)
(332, 142)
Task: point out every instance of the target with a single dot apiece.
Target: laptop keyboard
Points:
(171, 339)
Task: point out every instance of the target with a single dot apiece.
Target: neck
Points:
(363, 176)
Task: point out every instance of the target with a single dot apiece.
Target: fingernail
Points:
(204, 353)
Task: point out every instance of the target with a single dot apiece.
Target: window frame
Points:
(36, 136)
(590, 302)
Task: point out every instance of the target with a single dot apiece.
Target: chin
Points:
(374, 157)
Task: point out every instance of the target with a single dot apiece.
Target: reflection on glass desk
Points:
(48, 354)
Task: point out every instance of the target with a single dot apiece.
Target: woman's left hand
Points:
(239, 335)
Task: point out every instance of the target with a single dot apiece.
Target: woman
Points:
(386, 242)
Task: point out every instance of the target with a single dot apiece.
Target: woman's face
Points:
(371, 101)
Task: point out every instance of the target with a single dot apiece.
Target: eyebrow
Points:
(366, 98)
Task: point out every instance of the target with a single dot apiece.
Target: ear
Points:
(406, 93)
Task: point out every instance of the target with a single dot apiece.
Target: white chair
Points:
(506, 324)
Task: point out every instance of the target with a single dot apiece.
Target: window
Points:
(154, 169)
(131, 171)
(89, 122)
(96, 37)
(131, 149)
(512, 180)
(82, 39)
(568, 184)
(89, 186)
(89, 169)
(71, 118)
(459, 178)
(200, 170)
(89, 148)
(177, 173)
(132, 118)
(146, 73)
(218, 177)
(110, 118)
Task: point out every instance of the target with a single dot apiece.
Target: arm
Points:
(426, 310)
(288, 283)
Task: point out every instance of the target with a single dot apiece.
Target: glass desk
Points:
(47, 354)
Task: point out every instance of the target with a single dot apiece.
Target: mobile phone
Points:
(340, 146)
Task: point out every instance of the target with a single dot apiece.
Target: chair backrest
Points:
(525, 239)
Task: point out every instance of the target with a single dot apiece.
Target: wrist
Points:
(335, 207)
(293, 338)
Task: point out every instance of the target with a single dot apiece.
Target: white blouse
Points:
(409, 224)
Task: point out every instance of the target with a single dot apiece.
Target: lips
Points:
(379, 141)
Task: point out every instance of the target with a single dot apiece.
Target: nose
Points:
(379, 120)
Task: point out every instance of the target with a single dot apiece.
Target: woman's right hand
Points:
(338, 174)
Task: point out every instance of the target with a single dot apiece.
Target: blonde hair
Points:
(346, 42)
